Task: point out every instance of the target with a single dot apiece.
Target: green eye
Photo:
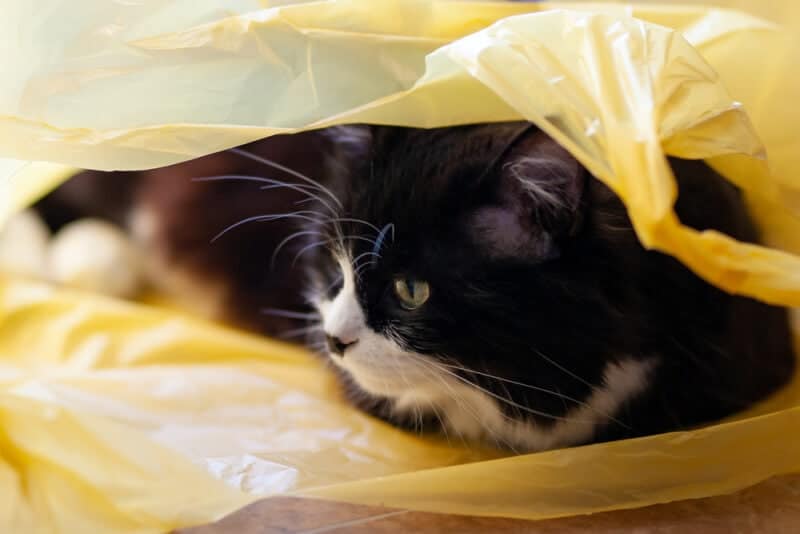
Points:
(411, 293)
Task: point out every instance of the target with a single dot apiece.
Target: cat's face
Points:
(465, 283)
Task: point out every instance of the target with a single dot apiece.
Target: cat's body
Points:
(473, 278)
(173, 217)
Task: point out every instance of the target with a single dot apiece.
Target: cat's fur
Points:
(547, 324)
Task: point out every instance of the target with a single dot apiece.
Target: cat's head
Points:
(476, 276)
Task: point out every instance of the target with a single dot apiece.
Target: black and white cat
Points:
(473, 280)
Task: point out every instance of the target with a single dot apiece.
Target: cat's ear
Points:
(536, 191)
(541, 178)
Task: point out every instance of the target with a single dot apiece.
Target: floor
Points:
(772, 507)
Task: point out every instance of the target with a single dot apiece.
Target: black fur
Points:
(554, 320)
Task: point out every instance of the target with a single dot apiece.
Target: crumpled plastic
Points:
(117, 417)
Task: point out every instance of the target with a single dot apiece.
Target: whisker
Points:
(296, 332)
(359, 221)
(459, 399)
(355, 238)
(266, 218)
(289, 314)
(417, 414)
(343, 219)
(270, 181)
(276, 165)
(311, 197)
(278, 186)
(326, 242)
(364, 255)
(336, 281)
(517, 413)
(537, 388)
(306, 249)
(509, 381)
(564, 369)
(249, 178)
(503, 399)
(318, 348)
(443, 424)
(382, 237)
(404, 378)
(357, 269)
(286, 241)
(299, 202)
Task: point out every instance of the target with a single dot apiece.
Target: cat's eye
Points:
(411, 293)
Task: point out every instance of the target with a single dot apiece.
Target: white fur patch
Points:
(343, 317)
(621, 381)
(543, 178)
(416, 383)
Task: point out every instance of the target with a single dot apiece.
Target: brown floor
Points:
(772, 507)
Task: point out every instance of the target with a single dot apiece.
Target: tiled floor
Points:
(772, 507)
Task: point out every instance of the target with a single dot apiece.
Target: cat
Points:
(473, 280)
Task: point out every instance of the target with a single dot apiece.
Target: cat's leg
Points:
(88, 254)
(24, 240)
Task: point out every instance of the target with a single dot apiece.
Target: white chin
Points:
(384, 383)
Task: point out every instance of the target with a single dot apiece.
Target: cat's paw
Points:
(95, 256)
(24, 241)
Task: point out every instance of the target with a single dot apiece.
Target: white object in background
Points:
(24, 240)
(96, 256)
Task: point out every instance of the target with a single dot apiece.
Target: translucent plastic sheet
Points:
(121, 418)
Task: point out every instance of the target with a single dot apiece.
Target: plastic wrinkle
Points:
(126, 418)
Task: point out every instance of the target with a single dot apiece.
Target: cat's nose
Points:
(337, 346)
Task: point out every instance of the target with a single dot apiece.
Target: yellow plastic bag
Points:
(121, 418)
